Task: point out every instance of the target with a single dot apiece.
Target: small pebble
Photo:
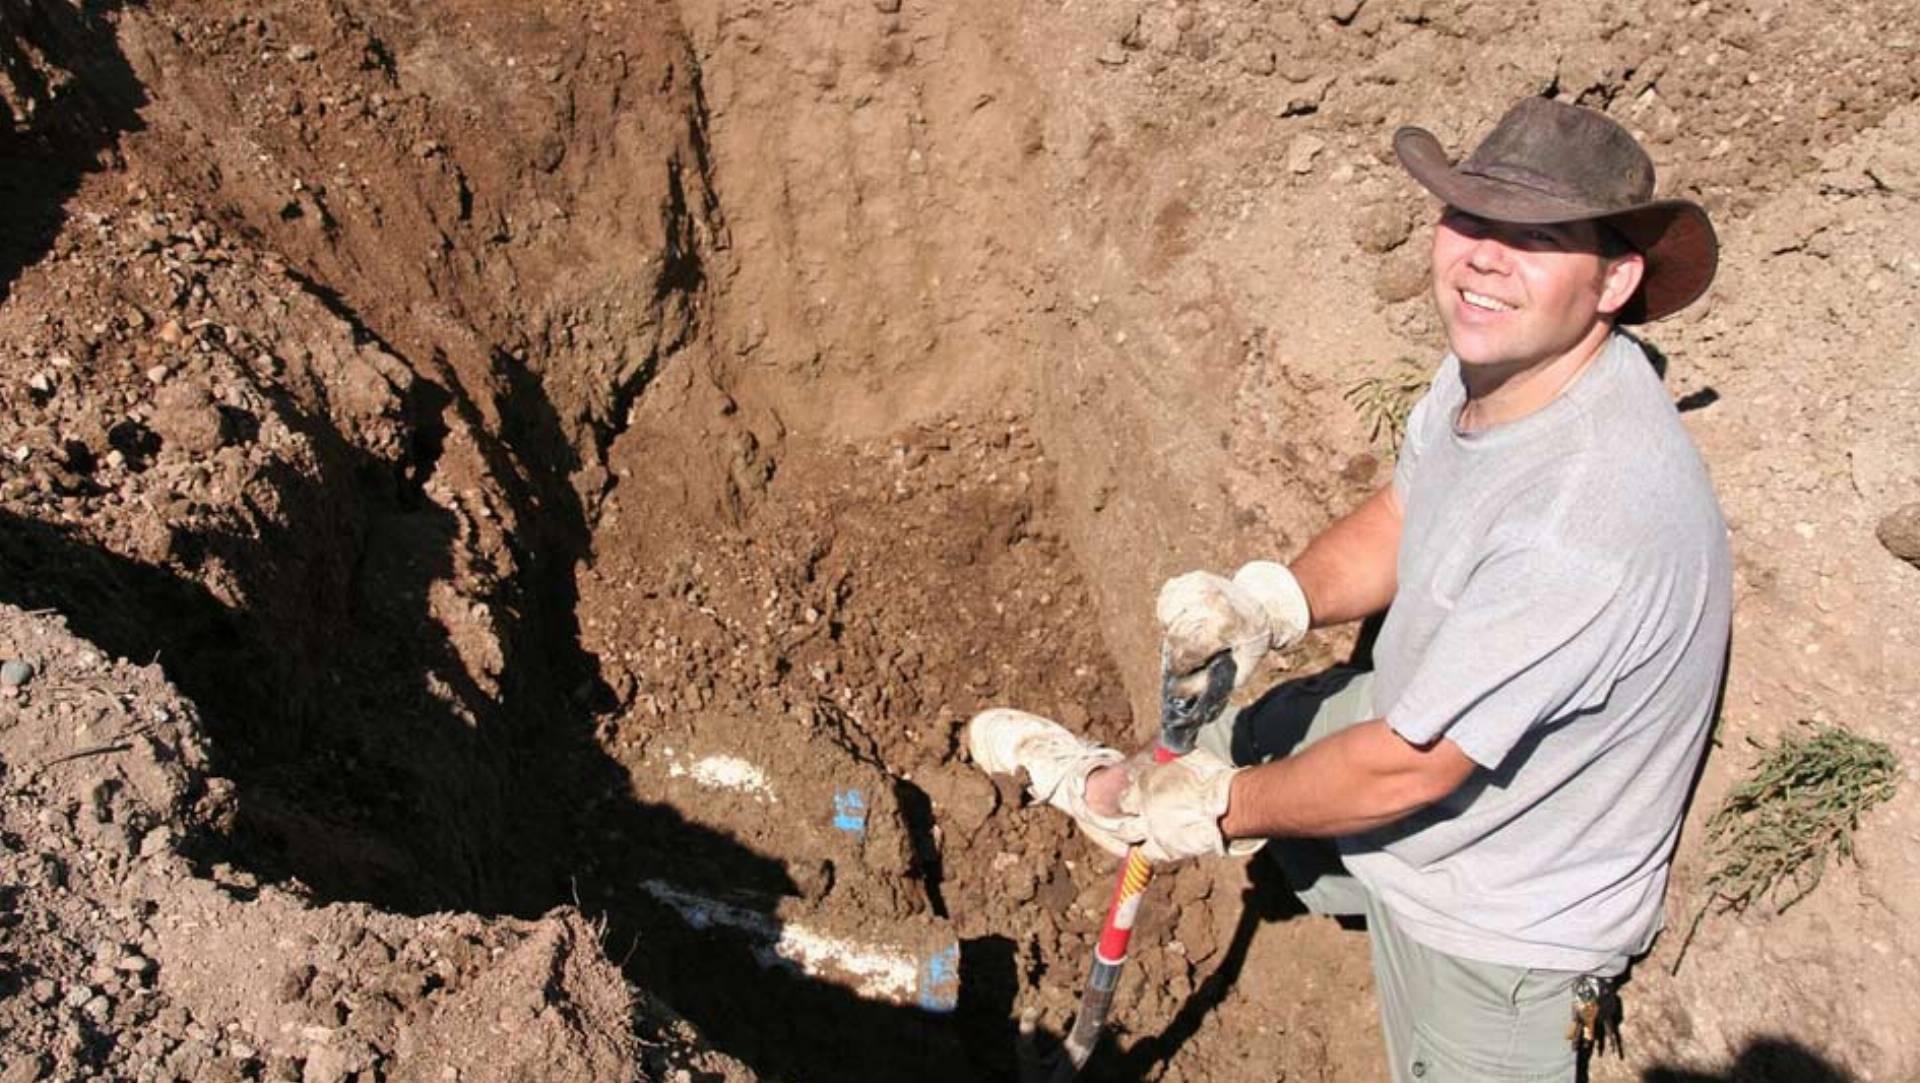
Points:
(14, 672)
(1302, 151)
(301, 52)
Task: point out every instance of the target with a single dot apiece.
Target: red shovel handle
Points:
(1181, 717)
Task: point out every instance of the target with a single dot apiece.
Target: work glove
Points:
(1172, 810)
(1003, 741)
(1261, 608)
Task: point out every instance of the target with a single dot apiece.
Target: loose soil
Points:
(468, 471)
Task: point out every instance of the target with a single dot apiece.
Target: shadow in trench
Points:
(76, 117)
(1763, 1060)
(370, 766)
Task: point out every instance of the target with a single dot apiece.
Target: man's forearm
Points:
(1348, 571)
(1359, 778)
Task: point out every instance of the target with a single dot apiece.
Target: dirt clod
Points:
(1899, 531)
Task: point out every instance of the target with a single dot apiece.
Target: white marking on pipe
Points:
(873, 971)
(725, 773)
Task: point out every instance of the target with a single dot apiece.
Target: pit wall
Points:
(333, 316)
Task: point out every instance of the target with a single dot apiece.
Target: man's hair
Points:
(1613, 243)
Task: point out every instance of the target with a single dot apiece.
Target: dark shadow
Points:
(1763, 1060)
(1655, 355)
(79, 113)
(1696, 400)
(1361, 656)
(369, 766)
(916, 808)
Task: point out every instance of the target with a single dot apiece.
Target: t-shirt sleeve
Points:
(1535, 635)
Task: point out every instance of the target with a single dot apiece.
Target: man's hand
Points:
(1201, 614)
(1058, 766)
(1172, 810)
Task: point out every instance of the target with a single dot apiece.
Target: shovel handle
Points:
(1110, 952)
(1180, 719)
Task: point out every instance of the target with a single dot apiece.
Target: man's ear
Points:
(1619, 280)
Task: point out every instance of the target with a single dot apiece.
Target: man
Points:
(1503, 792)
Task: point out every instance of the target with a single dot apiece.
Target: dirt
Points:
(472, 480)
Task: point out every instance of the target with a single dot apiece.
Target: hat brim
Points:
(1674, 236)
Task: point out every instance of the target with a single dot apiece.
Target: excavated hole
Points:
(536, 602)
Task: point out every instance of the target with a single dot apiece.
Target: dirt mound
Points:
(596, 456)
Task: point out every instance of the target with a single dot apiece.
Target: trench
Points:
(472, 648)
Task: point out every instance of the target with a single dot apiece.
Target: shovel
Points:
(1183, 712)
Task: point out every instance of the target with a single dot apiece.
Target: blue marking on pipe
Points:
(940, 980)
(850, 812)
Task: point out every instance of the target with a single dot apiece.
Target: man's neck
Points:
(1497, 395)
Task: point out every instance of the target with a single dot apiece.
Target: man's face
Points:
(1515, 295)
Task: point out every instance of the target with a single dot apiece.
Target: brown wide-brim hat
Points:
(1549, 162)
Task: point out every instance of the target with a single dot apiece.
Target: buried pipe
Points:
(919, 967)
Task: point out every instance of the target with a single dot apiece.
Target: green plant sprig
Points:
(1384, 401)
(1772, 836)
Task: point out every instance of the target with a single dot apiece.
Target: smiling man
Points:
(1500, 795)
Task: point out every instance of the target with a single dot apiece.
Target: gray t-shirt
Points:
(1562, 615)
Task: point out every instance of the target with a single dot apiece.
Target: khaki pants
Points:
(1445, 1019)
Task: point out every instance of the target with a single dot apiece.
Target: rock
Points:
(960, 795)
(1900, 533)
(14, 672)
(44, 992)
(184, 415)
(334, 1061)
(1382, 228)
(1195, 931)
(156, 842)
(1302, 151)
(301, 52)
(171, 333)
(27, 1069)
(1402, 277)
(1257, 59)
